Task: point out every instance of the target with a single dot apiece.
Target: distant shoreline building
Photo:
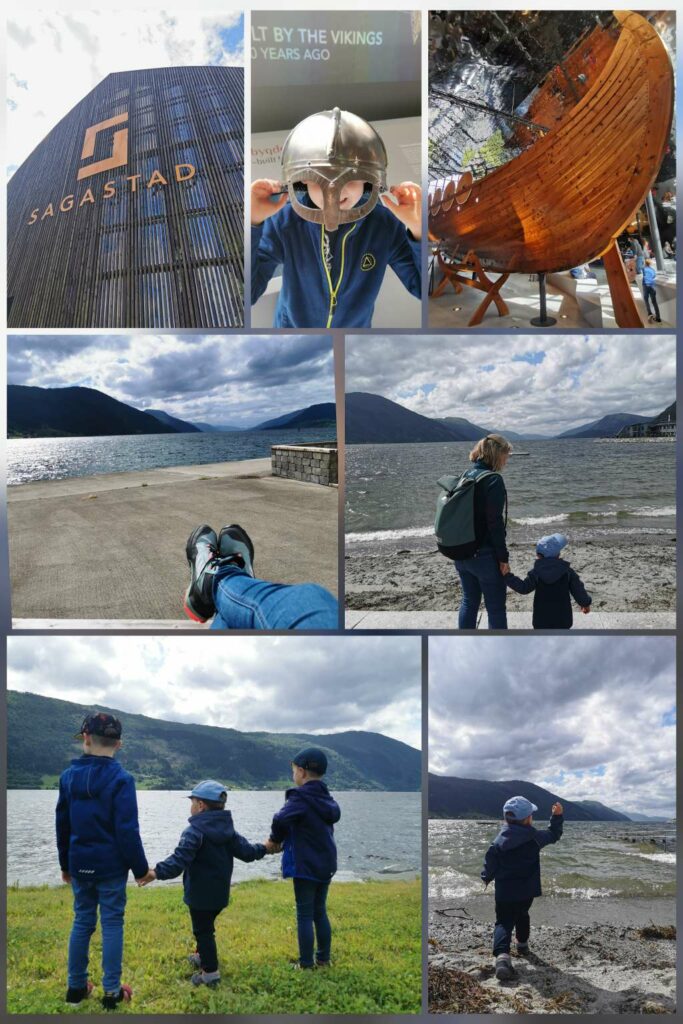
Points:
(130, 212)
(663, 425)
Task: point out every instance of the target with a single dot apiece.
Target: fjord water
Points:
(593, 860)
(592, 490)
(379, 835)
(56, 458)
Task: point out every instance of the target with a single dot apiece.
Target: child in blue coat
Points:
(513, 861)
(336, 232)
(305, 828)
(554, 584)
(205, 857)
(98, 841)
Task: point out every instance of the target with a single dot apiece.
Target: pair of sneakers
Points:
(206, 553)
(110, 1000)
(202, 977)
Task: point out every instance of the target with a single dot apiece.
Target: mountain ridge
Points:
(176, 755)
(456, 797)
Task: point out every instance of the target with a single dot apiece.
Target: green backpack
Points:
(454, 523)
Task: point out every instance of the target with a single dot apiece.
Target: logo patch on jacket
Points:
(368, 261)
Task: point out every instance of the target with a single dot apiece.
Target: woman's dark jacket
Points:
(490, 506)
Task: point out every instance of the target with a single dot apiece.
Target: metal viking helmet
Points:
(332, 148)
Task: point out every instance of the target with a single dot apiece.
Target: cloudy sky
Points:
(279, 684)
(232, 379)
(529, 384)
(586, 717)
(54, 59)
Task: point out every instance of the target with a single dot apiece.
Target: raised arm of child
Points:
(554, 832)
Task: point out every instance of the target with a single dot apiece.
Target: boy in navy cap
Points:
(98, 840)
(554, 583)
(305, 828)
(205, 857)
(513, 860)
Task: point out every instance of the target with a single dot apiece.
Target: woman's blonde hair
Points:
(492, 450)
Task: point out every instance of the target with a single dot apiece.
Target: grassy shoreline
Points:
(376, 952)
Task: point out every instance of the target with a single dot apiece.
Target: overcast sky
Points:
(233, 379)
(274, 684)
(54, 59)
(530, 384)
(586, 717)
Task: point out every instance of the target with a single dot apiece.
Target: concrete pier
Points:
(112, 547)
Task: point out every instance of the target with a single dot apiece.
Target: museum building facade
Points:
(130, 212)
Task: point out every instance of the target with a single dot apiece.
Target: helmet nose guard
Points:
(330, 149)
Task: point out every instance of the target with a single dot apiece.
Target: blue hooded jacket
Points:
(513, 859)
(305, 826)
(555, 583)
(205, 857)
(361, 253)
(98, 835)
(649, 276)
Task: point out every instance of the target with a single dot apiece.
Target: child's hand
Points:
(66, 877)
(262, 207)
(146, 879)
(586, 610)
(409, 209)
(272, 847)
(556, 808)
(504, 568)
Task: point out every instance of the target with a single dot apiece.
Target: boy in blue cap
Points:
(205, 857)
(513, 860)
(305, 828)
(554, 583)
(98, 841)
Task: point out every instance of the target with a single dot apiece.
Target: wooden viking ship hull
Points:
(562, 202)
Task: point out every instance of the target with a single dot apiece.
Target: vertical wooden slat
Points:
(171, 256)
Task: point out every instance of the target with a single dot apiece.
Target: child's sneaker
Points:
(77, 995)
(110, 1000)
(504, 968)
(522, 948)
(323, 963)
(194, 960)
(206, 978)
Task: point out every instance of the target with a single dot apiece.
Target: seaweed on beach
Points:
(454, 991)
(657, 931)
(565, 1002)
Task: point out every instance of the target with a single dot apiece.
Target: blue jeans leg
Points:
(112, 899)
(84, 924)
(481, 576)
(311, 914)
(243, 602)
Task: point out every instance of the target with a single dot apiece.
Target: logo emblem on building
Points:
(119, 152)
(368, 261)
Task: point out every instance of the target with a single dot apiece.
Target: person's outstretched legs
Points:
(222, 583)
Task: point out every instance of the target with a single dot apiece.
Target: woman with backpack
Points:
(471, 523)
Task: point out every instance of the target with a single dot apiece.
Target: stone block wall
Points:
(313, 463)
